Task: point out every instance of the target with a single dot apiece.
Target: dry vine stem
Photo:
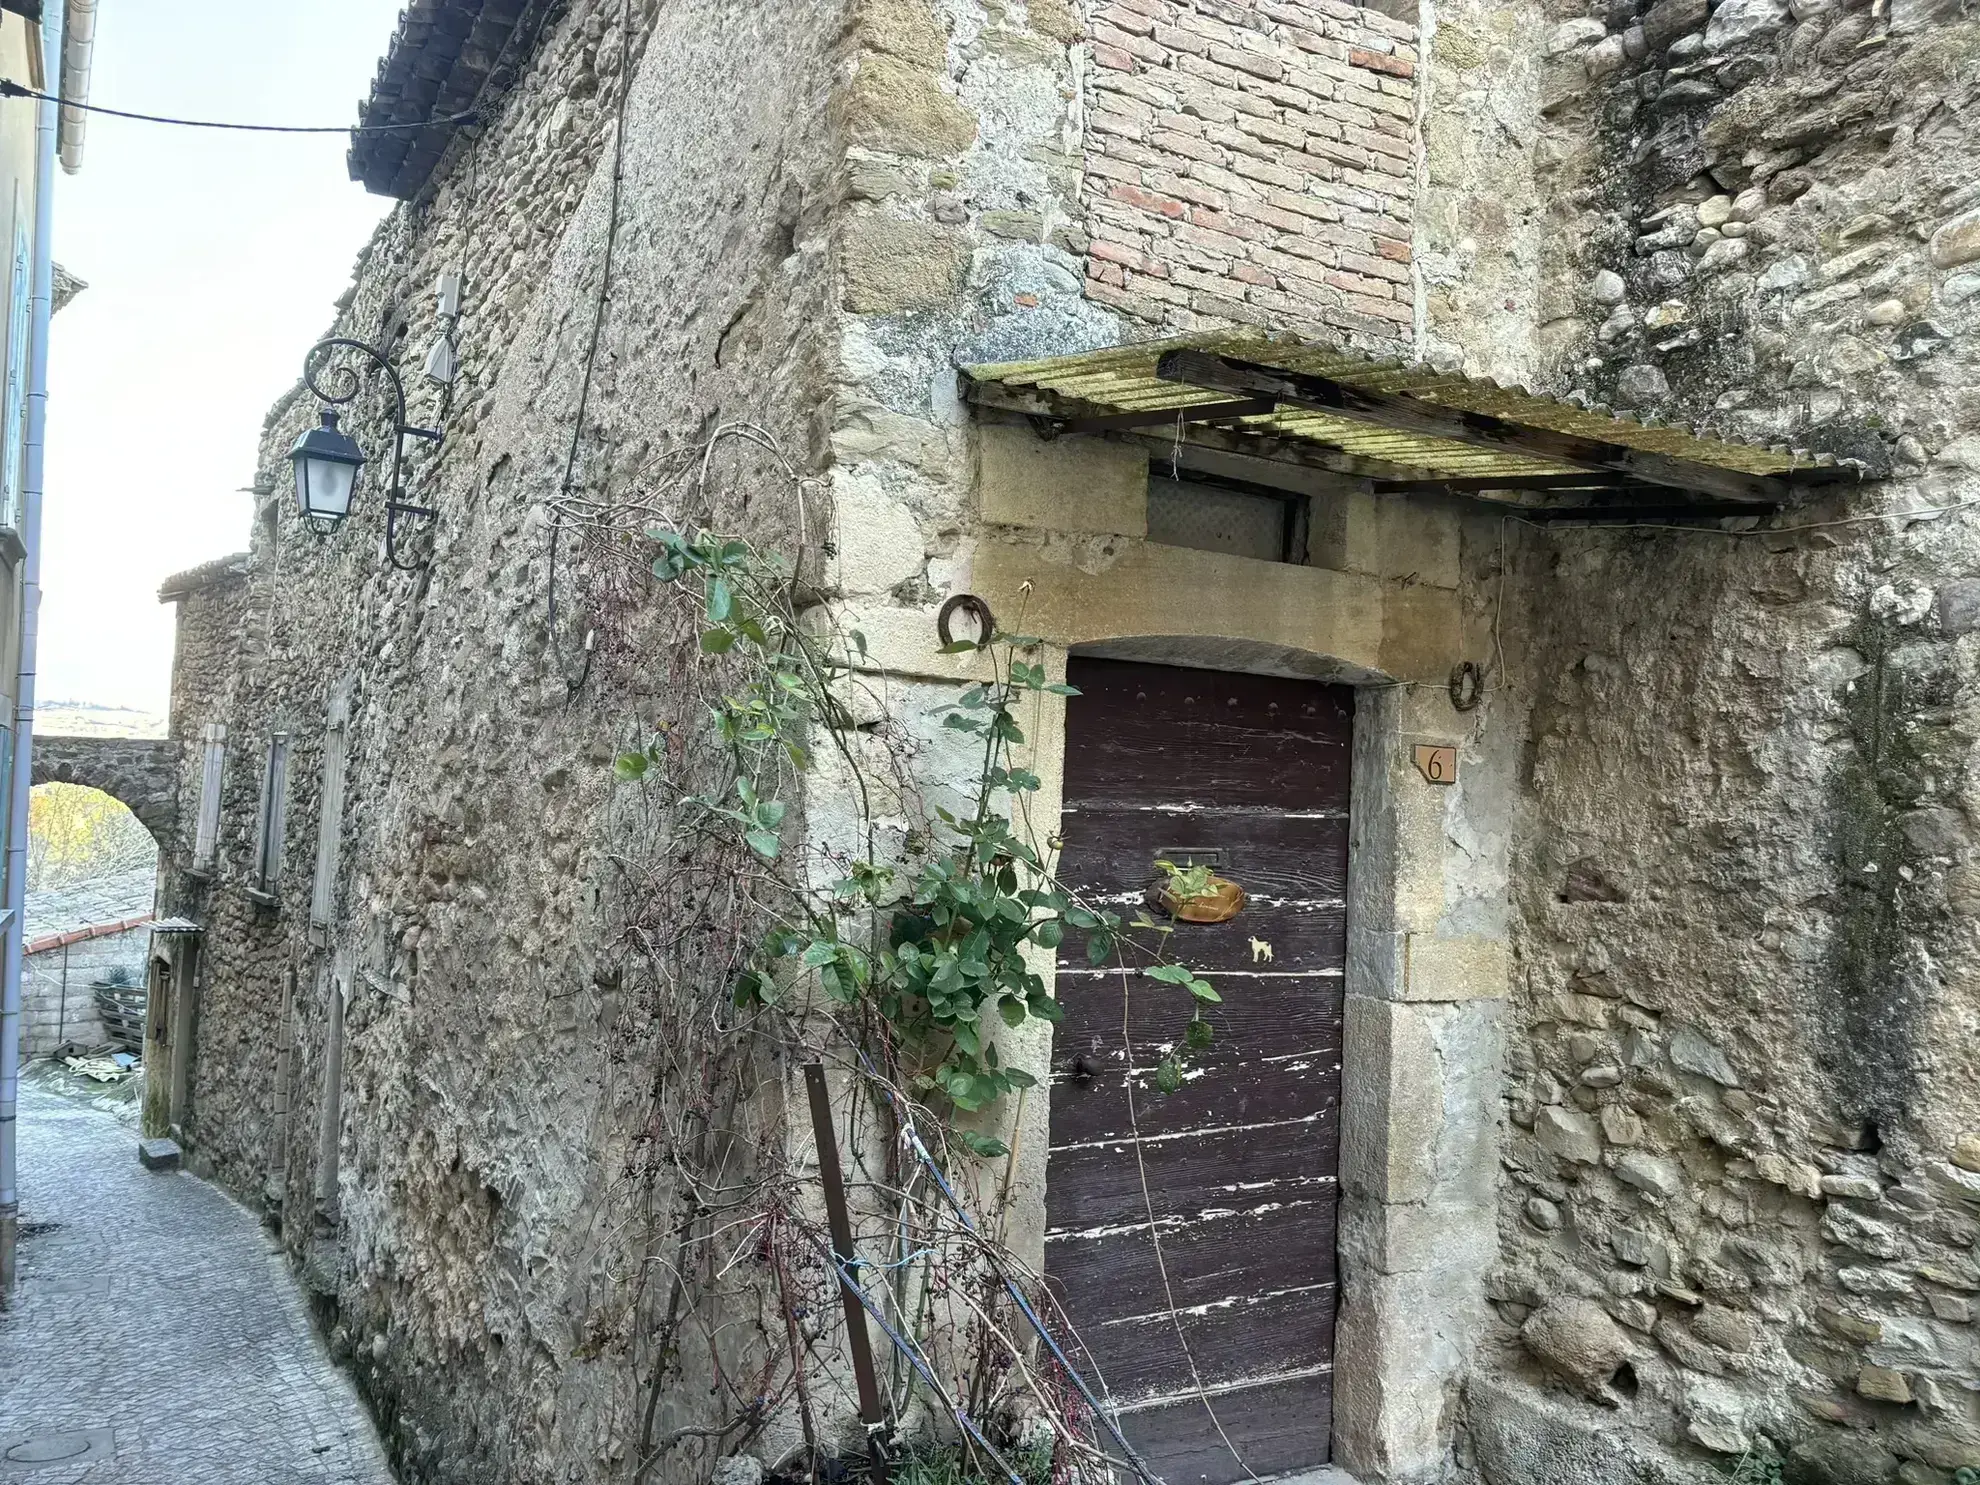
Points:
(735, 965)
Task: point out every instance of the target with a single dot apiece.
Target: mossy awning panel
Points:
(1394, 415)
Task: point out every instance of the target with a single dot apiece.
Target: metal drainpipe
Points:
(42, 307)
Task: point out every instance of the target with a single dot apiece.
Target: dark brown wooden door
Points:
(1241, 1162)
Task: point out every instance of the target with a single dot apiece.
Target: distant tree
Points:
(77, 834)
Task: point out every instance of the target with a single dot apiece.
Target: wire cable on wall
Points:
(11, 89)
(574, 683)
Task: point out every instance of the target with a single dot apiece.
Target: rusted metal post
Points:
(857, 1339)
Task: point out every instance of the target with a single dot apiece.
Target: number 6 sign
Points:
(1437, 763)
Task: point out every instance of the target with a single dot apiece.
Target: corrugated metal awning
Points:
(1405, 427)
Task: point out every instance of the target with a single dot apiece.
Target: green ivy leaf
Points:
(837, 985)
(630, 766)
(981, 1145)
(1169, 974)
(1012, 1010)
(765, 843)
(1168, 1075)
(721, 600)
(718, 641)
(959, 647)
(1203, 990)
(1049, 933)
(1199, 1035)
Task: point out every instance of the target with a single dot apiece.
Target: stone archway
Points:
(141, 773)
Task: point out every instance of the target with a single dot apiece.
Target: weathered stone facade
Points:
(1660, 1111)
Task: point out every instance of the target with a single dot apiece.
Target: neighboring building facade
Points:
(21, 56)
(1611, 1105)
(21, 59)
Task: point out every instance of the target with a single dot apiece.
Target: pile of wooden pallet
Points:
(122, 1010)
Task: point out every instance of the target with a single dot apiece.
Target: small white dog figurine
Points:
(1260, 950)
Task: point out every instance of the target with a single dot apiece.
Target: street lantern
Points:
(328, 462)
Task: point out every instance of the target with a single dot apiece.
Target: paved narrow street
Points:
(156, 1335)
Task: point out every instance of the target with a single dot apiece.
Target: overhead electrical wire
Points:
(11, 89)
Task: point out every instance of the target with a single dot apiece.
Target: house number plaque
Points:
(1437, 763)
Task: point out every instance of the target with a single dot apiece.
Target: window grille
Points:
(268, 827)
(206, 836)
(1237, 520)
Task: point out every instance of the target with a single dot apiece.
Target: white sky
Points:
(213, 262)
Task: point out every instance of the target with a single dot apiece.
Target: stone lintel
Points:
(1093, 485)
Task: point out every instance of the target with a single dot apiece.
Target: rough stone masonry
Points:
(1695, 1187)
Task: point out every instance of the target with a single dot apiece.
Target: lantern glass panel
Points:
(325, 487)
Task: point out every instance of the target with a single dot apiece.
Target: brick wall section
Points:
(1252, 163)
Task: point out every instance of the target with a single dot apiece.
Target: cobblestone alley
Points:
(156, 1336)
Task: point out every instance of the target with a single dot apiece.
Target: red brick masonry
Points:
(1253, 162)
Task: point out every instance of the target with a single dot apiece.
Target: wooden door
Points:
(1241, 1162)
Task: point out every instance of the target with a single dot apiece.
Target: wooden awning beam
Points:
(1475, 485)
(1167, 417)
(1697, 510)
(1239, 378)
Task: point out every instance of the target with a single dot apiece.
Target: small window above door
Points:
(1211, 515)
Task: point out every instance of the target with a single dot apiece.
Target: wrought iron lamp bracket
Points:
(339, 386)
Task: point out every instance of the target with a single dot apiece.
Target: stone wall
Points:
(1741, 1219)
(1704, 894)
(480, 1246)
(58, 1005)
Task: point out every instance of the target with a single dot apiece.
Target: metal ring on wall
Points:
(977, 609)
(1467, 686)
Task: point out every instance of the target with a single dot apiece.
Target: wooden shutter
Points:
(206, 838)
(274, 806)
(330, 821)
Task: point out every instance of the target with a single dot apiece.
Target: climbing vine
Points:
(898, 934)
(942, 948)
